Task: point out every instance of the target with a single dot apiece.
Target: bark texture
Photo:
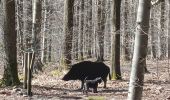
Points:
(68, 30)
(140, 51)
(10, 76)
(115, 59)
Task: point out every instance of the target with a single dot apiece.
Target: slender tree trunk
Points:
(27, 27)
(10, 76)
(25, 59)
(100, 29)
(31, 52)
(68, 30)
(81, 30)
(90, 30)
(20, 28)
(27, 14)
(108, 29)
(140, 51)
(132, 23)
(76, 30)
(115, 60)
(94, 20)
(49, 50)
(37, 35)
(169, 29)
(44, 39)
(162, 35)
(126, 35)
(153, 35)
(27, 23)
(50, 35)
(85, 30)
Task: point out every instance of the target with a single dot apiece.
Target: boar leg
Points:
(82, 84)
(104, 80)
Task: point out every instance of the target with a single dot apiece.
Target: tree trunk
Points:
(153, 35)
(115, 60)
(76, 30)
(108, 30)
(10, 76)
(169, 29)
(81, 30)
(85, 21)
(31, 52)
(126, 35)
(49, 50)
(94, 20)
(38, 18)
(44, 39)
(25, 59)
(68, 30)
(100, 29)
(140, 51)
(20, 28)
(162, 36)
(27, 23)
(37, 35)
(90, 30)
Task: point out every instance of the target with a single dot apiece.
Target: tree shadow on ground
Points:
(114, 90)
(70, 97)
(158, 82)
(63, 92)
(52, 91)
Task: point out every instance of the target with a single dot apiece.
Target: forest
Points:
(85, 49)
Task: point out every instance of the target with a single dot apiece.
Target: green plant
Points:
(96, 98)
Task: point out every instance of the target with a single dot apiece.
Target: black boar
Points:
(88, 69)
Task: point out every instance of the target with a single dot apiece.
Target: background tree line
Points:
(69, 31)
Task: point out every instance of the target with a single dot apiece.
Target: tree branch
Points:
(155, 2)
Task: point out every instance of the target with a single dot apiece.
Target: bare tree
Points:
(19, 16)
(90, 29)
(27, 23)
(44, 39)
(76, 29)
(140, 51)
(10, 76)
(162, 36)
(169, 29)
(68, 30)
(81, 31)
(115, 58)
(36, 33)
(153, 34)
(100, 29)
(126, 34)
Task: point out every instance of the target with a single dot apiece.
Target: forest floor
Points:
(48, 85)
